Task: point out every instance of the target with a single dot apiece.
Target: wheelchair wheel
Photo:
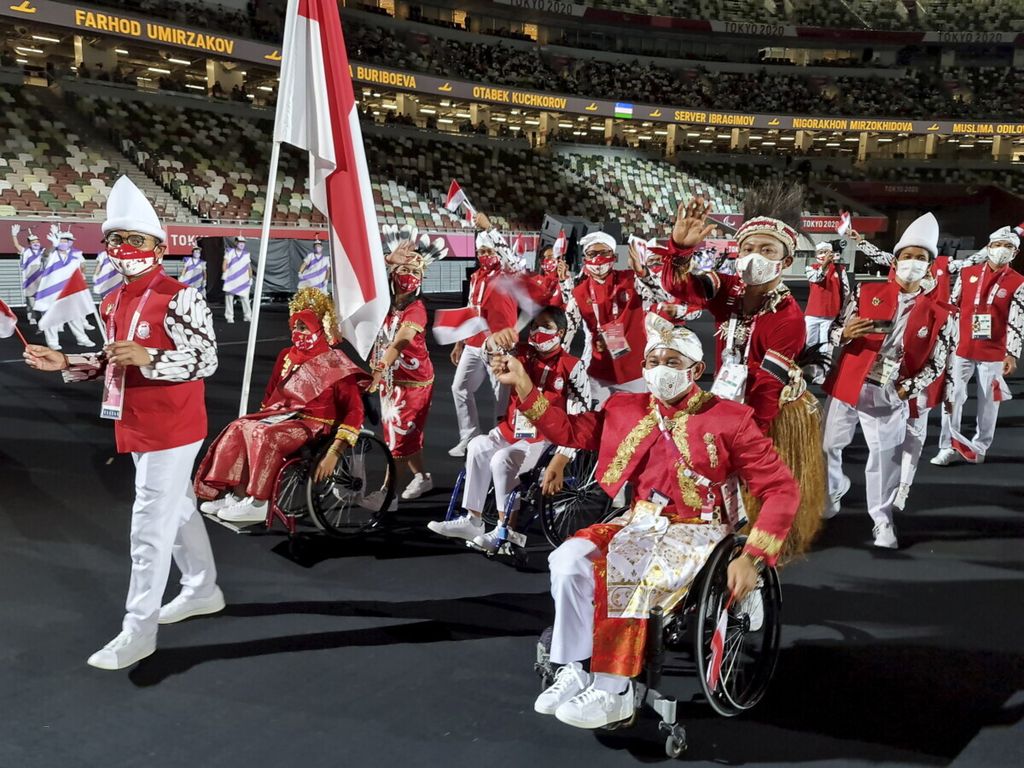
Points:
(489, 514)
(291, 487)
(357, 495)
(750, 653)
(580, 503)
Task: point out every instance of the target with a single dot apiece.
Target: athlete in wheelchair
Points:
(514, 447)
(683, 451)
(313, 398)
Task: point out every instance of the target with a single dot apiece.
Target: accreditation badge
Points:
(113, 393)
(981, 326)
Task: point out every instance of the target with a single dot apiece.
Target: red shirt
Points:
(613, 301)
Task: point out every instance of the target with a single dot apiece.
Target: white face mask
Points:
(1001, 255)
(666, 383)
(911, 270)
(755, 269)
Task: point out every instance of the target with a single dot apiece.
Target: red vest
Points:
(551, 377)
(823, 300)
(977, 283)
(616, 300)
(879, 301)
(157, 414)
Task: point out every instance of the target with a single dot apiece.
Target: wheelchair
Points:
(580, 503)
(353, 500)
(684, 623)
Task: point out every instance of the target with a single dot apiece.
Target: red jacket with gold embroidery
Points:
(712, 437)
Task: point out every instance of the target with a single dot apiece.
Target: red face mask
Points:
(548, 266)
(304, 341)
(543, 340)
(130, 261)
(488, 260)
(407, 283)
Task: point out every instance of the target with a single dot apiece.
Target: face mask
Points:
(407, 283)
(548, 266)
(666, 383)
(911, 270)
(34, 245)
(1001, 255)
(755, 269)
(544, 340)
(655, 267)
(64, 245)
(317, 250)
(304, 341)
(130, 261)
(598, 268)
(488, 260)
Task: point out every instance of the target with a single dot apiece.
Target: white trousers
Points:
(469, 375)
(988, 406)
(913, 442)
(165, 525)
(492, 458)
(572, 588)
(817, 332)
(229, 306)
(77, 328)
(883, 420)
(601, 390)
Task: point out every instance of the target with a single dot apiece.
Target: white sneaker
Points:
(753, 606)
(123, 651)
(832, 505)
(945, 457)
(459, 450)
(85, 341)
(248, 510)
(488, 542)
(420, 484)
(594, 708)
(374, 501)
(185, 607)
(885, 536)
(467, 527)
(979, 459)
(230, 320)
(216, 505)
(570, 680)
(901, 496)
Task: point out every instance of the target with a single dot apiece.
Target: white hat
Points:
(128, 209)
(32, 236)
(67, 235)
(824, 245)
(664, 334)
(1005, 233)
(240, 239)
(922, 232)
(597, 237)
(484, 239)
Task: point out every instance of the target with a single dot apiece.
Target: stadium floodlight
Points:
(45, 39)
(565, 125)
(184, 62)
(597, 127)
(21, 61)
(428, 110)
(768, 143)
(706, 141)
(121, 51)
(445, 121)
(158, 70)
(269, 89)
(24, 50)
(531, 122)
(195, 87)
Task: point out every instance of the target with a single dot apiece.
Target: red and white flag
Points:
(561, 245)
(519, 246)
(452, 325)
(8, 321)
(962, 445)
(73, 303)
(457, 197)
(718, 648)
(1000, 390)
(316, 111)
(845, 222)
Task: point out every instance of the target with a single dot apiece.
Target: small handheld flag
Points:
(9, 323)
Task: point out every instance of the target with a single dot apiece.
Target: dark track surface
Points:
(403, 649)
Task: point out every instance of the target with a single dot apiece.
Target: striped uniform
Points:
(104, 278)
(54, 276)
(193, 273)
(31, 270)
(238, 277)
(313, 272)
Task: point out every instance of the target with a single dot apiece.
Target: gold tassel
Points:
(796, 433)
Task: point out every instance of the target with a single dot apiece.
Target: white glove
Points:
(54, 235)
(15, 229)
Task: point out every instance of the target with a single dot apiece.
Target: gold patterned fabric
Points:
(538, 408)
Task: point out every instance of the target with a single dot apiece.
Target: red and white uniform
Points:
(406, 389)
(862, 385)
(515, 445)
(998, 294)
(829, 287)
(162, 426)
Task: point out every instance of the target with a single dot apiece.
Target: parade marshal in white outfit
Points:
(894, 340)
(31, 266)
(161, 347)
(237, 280)
(60, 264)
(991, 301)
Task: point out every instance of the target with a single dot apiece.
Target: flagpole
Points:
(261, 269)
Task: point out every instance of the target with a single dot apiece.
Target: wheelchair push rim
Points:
(749, 657)
(581, 502)
(339, 505)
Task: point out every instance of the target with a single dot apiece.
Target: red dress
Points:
(406, 389)
(713, 437)
(323, 396)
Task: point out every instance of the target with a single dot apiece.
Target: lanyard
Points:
(477, 297)
(730, 339)
(992, 292)
(596, 306)
(138, 310)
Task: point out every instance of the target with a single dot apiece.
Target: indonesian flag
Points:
(73, 303)
(519, 246)
(316, 111)
(457, 197)
(561, 245)
(1000, 390)
(718, 648)
(962, 445)
(8, 321)
(845, 222)
(452, 325)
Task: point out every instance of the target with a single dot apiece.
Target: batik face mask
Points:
(130, 261)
